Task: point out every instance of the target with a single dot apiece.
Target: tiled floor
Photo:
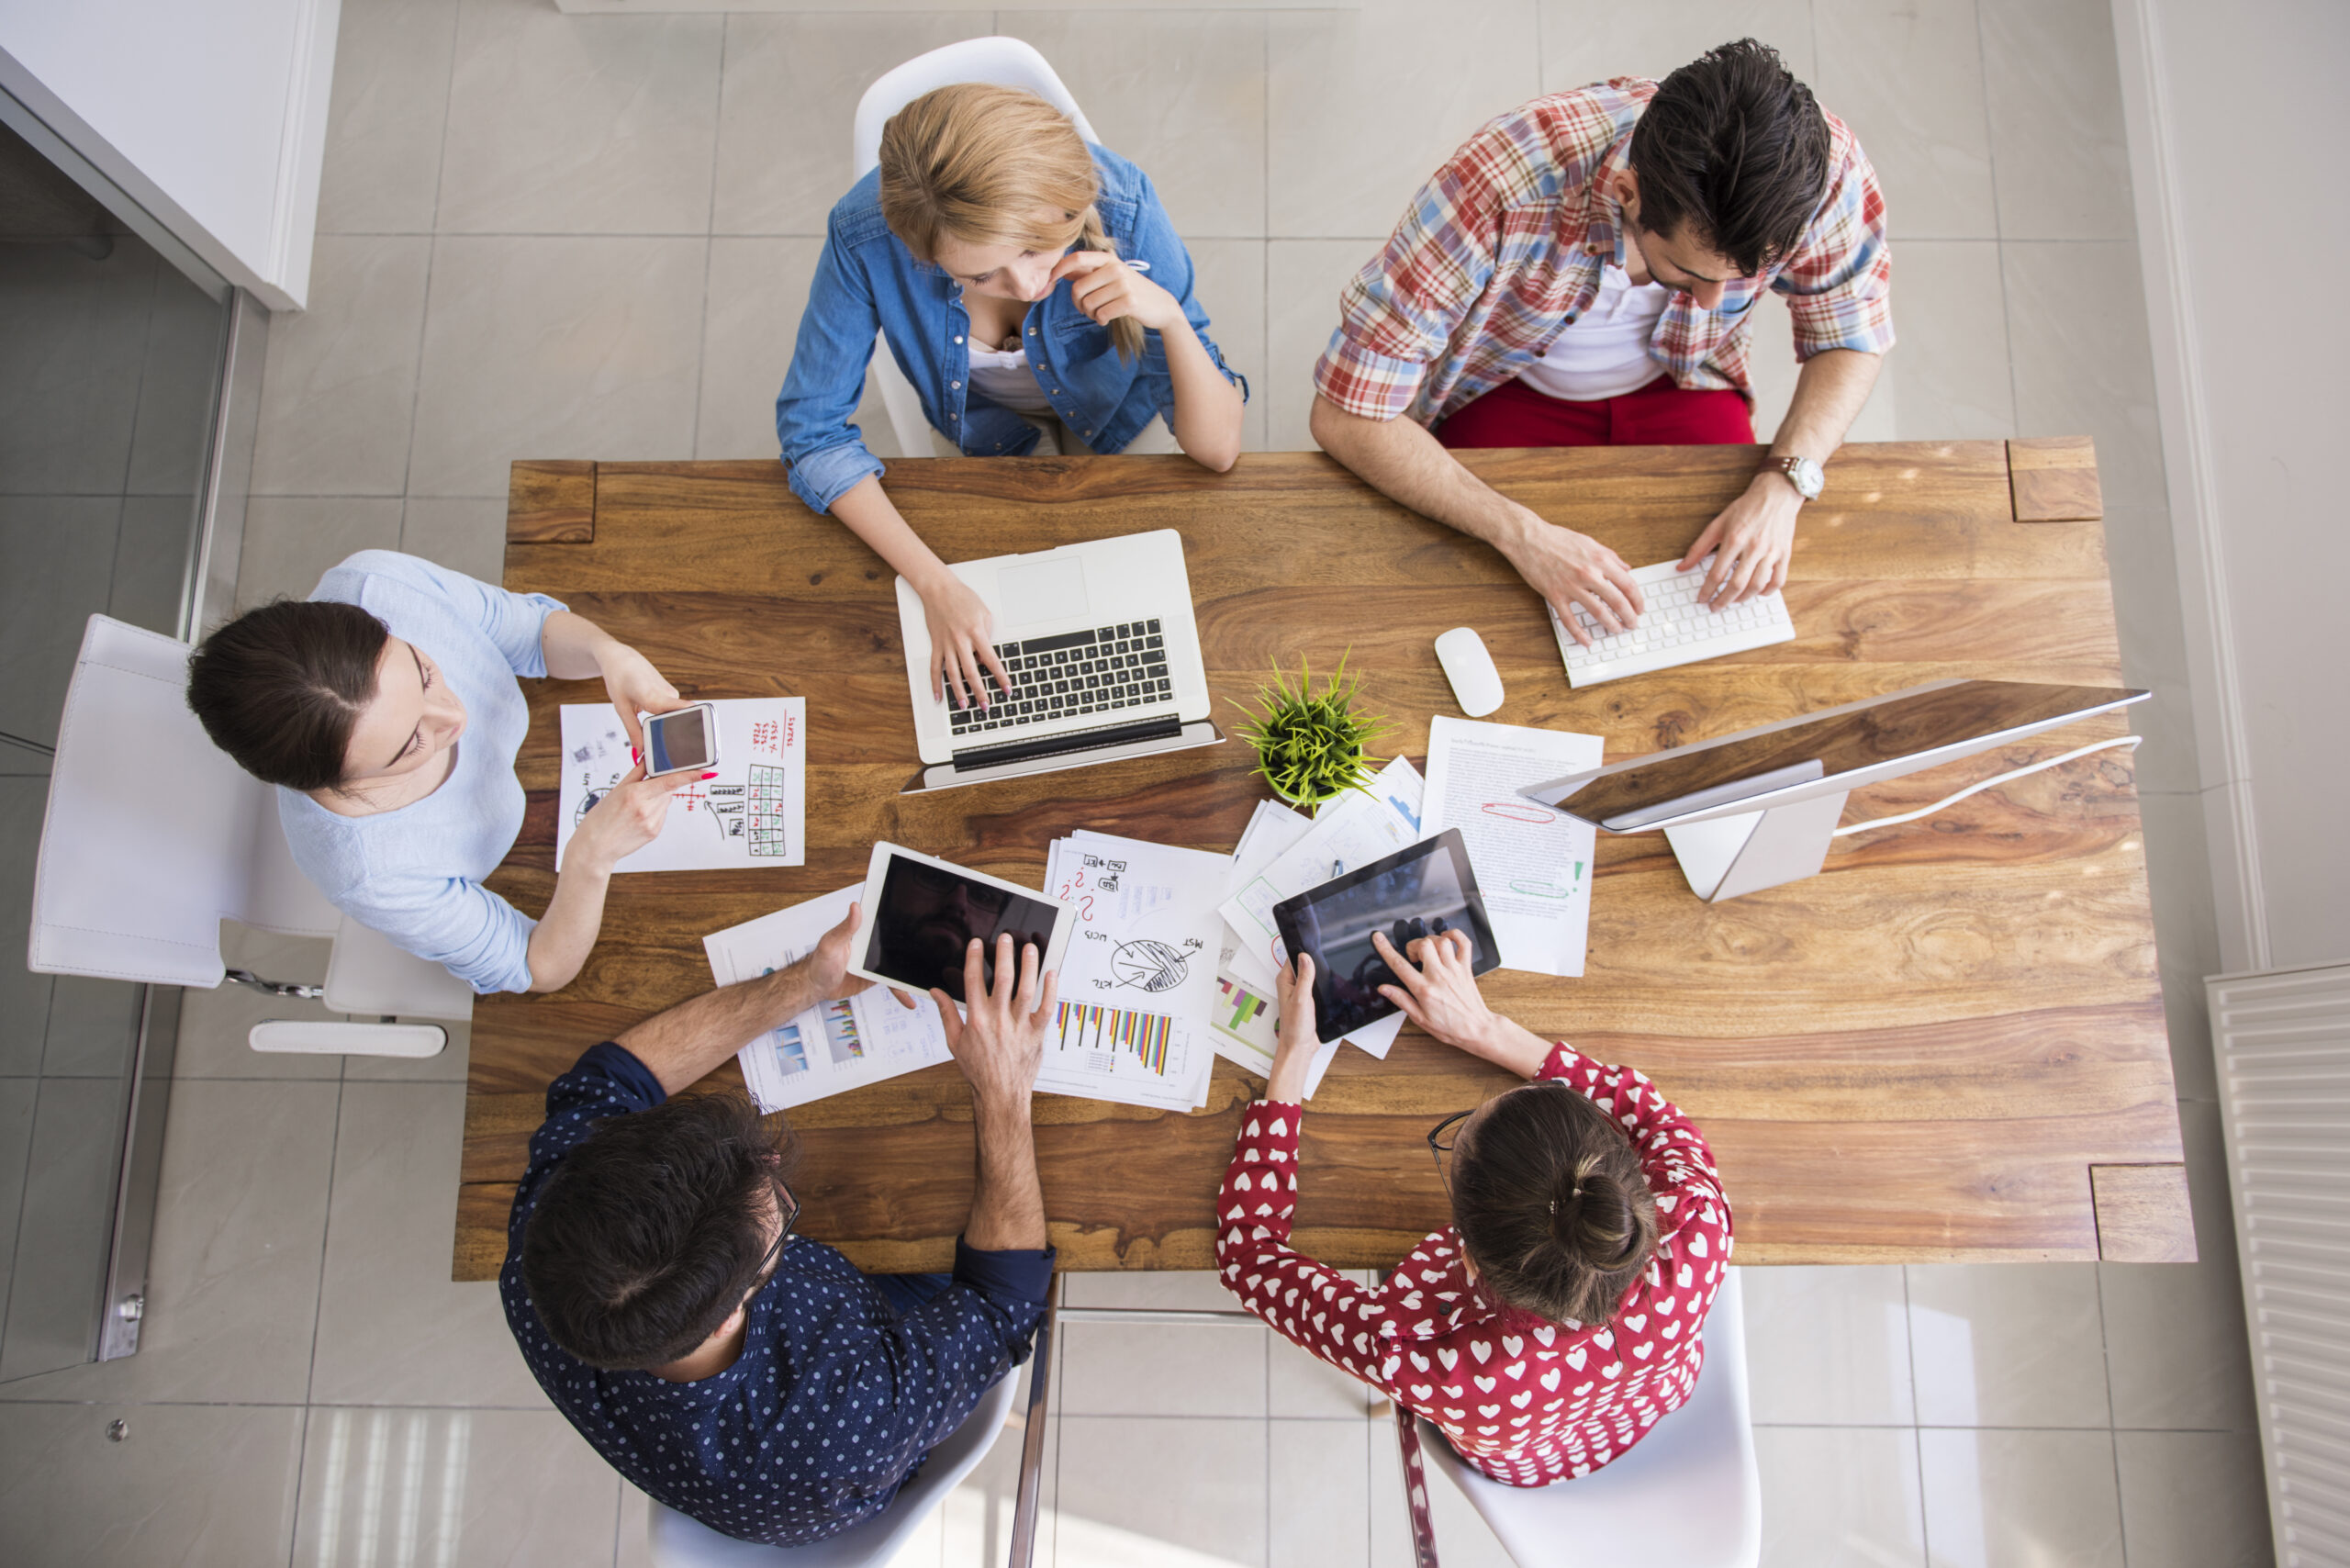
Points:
(546, 236)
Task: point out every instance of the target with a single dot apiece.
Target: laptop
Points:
(1103, 657)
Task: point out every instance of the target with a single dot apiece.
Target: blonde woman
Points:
(1029, 285)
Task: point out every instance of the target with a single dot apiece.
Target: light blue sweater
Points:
(415, 873)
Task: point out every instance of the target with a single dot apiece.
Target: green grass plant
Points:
(1311, 746)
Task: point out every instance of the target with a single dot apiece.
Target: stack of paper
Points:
(1138, 977)
(835, 1045)
(1354, 830)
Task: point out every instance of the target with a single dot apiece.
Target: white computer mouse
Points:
(1476, 685)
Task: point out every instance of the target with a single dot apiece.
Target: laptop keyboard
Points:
(1107, 670)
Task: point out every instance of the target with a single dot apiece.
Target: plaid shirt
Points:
(1504, 248)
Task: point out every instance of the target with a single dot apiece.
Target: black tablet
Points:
(1419, 891)
(921, 912)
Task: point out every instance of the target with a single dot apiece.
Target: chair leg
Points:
(1031, 1435)
(1416, 1488)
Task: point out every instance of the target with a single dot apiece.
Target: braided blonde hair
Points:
(973, 161)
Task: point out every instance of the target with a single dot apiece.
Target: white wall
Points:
(210, 113)
(2239, 129)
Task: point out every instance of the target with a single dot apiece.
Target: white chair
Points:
(1005, 62)
(1688, 1493)
(154, 836)
(681, 1542)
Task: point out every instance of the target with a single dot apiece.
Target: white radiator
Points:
(2283, 1043)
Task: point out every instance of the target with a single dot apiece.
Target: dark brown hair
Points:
(1733, 147)
(1551, 1204)
(279, 687)
(652, 1231)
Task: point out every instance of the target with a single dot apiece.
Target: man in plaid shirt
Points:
(1583, 273)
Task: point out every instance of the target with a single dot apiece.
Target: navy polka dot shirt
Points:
(836, 1396)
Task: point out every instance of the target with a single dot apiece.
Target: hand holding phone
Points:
(683, 741)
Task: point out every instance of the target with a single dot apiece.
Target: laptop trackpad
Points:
(1045, 592)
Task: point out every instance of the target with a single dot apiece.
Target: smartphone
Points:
(676, 742)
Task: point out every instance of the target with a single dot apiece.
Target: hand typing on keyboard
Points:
(1678, 629)
(1118, 670)
(1571, 570)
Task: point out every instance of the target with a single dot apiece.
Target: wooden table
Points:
(1950, 1045)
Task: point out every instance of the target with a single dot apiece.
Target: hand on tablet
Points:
(1297, 1040)
(998, 1040)
(828, 965)
(1440, 993)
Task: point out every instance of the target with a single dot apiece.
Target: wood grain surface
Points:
(2053, 479)
(1915, 1056)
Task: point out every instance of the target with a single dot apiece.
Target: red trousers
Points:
(1659, 414)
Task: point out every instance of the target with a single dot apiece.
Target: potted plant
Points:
(1311, 747)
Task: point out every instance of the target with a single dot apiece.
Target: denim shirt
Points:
(867, 281)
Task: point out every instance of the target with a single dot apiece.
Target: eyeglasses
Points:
(1440, 1140)
(786, 1204)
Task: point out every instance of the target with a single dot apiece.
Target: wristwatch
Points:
(1800, 472)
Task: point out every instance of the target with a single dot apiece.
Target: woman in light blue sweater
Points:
(386, 709)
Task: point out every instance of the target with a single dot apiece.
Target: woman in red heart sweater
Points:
(1557, 1317)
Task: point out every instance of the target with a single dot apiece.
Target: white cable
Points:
(1987, 783)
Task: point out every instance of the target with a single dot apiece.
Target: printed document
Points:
(752, 815)
(835, 1046)
(1533, 865)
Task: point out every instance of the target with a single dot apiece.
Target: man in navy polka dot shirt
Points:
(748, 1378)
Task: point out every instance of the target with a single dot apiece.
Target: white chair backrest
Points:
(1006, 62)
(152, 834)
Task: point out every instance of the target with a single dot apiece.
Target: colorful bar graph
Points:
(1145, 1036)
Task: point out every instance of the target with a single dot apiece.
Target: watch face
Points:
(1807, 478)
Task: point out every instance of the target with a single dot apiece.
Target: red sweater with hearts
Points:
(1525, 1400)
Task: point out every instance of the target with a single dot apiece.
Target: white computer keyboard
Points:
(1676, 629)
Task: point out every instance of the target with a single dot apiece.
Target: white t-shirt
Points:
(1003, 377)
(1604, 353)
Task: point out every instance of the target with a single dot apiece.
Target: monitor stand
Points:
(1727, 858)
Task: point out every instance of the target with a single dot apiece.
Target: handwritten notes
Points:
(1533, 865)
(752, 815)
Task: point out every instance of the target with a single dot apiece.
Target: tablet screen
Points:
(1419, 891)
(927, 914)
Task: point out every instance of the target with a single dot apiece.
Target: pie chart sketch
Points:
(1152, 966)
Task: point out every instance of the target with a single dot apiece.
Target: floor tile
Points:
(232, 1281)
(93, 1027)
(2054, 85)
(1168, 1289)
(1301, 1384)
(555, 348)
(579, 125)
(1461, 1539)
(1319, 1482)
(1303, 279)
(788, 105)
(178, 380)
(1830, 1346)
(2187, 939)
(67, 1214)
(1907, 79)
(393, 1328)
(215, 1024)
(188, 1484)
(1995, 1498)
(21, 761)
(1951, 362)
(974, 1521)
(1584, 44)
(513, 1487)
(2007, 1345)
(392, 63)
(16, 1097)
(339, 388)
(1228, 279)
(466, 534)
(758, 289)
(72, 343)
(2176, 1342)
(1180, 93)
(1163, 1369)
(23, 996)
(1342, 161)
(2193, 1500)
(1839, 1497)
(449, 1067)
(1206, 1493)
(293, 541)
(151, 561)
(65, 545)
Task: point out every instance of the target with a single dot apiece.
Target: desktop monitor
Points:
(1758, 808)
